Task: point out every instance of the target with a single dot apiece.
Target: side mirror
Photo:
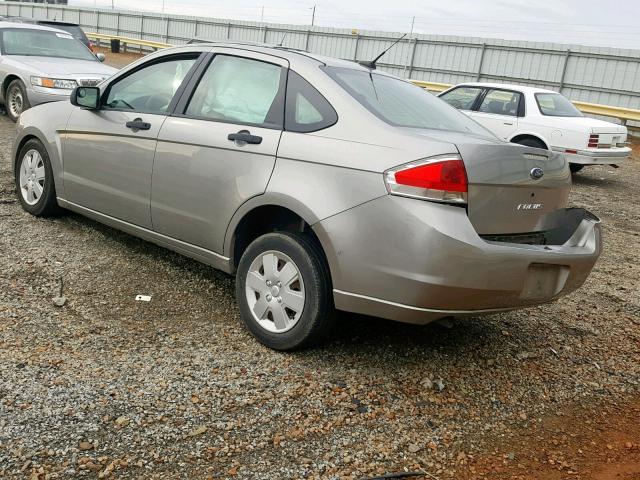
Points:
(100, 57)
(86, 97)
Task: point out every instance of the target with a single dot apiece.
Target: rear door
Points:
(108, 153)
(498, 111)
(219, 147)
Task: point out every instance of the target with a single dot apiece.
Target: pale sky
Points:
(587, 22)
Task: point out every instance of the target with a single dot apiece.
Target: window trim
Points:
(521, 109)
(162, 59)
(182, 104)
(475, 100)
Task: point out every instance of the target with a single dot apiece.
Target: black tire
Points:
(47, 204)
(317, 317)
(575, 167)
(532, 142)
(21, 100)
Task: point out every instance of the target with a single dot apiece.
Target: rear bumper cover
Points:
(597, 157)
(416, 261)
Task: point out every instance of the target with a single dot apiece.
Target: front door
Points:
(108, 153)
(218, 149)
(498, 112)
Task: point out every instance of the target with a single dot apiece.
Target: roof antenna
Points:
(372, 64)
(282, 41)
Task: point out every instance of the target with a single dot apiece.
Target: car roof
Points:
(293, 55)
(29, 26)
(507, 86)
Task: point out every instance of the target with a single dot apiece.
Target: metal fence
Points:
(606, 76)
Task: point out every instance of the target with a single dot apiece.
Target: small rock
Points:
(122, 421)
(197, 431)
(439, 384)
(427, 383)
(59, 301)
(413, 448)
(85, 446)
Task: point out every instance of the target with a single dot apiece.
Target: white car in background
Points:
(541, 118)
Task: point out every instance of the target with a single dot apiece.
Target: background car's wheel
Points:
(532, 142)
(575, 167)
(283, 289)
(34, 180)
(16, 100)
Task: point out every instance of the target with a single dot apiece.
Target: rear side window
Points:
(239, 90)
(462, 98)
(555, 105)
(501, 102)
(306, 109)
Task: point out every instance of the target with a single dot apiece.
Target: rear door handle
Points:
(138, 124)
(244, 136)
(508, 123)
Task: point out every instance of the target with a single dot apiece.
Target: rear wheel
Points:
(34, 180)
(575, 167)
(284, 292)
(531, 142)
(16, 100)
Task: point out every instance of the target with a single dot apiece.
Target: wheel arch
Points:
(263, 214)
(7, 81)
(534, 136)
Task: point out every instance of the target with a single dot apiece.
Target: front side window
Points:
(555, 105)
(43, 43)
(401, 103)
(150, 89)
(239, 90)
(462, 98)
(501, 102)
(307, 110)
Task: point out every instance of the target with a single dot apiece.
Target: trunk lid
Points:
(505, 196)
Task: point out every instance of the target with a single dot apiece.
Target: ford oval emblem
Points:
(536, 173)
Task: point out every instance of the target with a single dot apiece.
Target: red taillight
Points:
(440, 179)
(594, 139)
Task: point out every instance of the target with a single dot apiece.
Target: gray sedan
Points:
(321, 184)
(42, 64)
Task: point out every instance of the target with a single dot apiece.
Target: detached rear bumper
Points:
(597, 157)
(416, 261)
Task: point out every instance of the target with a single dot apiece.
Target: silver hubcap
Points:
(275, 291)
(16, 102)
(32, 175)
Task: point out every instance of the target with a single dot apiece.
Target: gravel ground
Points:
(175, 388)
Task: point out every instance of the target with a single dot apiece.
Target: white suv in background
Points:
(541, 118)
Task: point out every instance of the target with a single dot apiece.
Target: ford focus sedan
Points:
(320, 184)
(541, 118)
(41, 64)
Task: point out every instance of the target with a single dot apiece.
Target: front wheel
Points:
(34, 180)
(283, 289)
(16, 100)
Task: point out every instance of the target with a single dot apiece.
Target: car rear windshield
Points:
(401, 103)
(74, 30)
(43, 43)
(555, 105)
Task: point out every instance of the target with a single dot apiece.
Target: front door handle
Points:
(244, 136)
(138, 124)
(508, 123)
